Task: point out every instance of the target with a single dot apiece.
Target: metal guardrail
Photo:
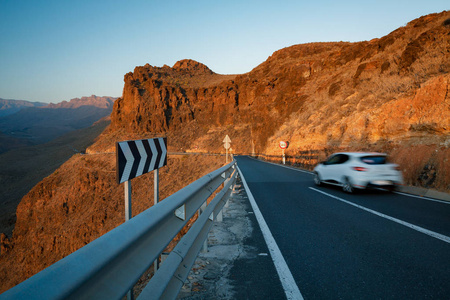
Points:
(109, 266)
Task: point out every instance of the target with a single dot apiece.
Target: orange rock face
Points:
(315, 95)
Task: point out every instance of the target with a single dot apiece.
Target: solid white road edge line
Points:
(417, 228)
(423, 197)
(287, 280)
(283, 166)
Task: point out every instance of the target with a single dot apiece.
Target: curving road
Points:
(332, 245)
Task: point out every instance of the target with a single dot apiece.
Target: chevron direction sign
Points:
(135, 158)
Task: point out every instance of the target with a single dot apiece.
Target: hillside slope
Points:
(388, 94)
(23, 168)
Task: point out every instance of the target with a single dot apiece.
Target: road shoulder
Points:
(237, 264)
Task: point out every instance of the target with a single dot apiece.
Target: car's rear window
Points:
(374, 159)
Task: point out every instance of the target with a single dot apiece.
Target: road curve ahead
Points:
(372, 245)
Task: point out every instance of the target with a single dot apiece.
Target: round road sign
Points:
(283, 144)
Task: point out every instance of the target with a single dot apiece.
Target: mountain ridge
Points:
(11, 106)
(93, 100)
(300, 77)
(33, 125)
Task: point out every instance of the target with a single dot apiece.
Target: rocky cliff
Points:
(383, 94)
(388, 89)
(388, 94)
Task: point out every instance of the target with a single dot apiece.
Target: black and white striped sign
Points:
(135, 158)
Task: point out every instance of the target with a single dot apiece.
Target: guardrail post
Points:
(205, 244)
(202, 208)
(219, 217)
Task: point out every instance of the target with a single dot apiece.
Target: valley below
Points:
(23, 168)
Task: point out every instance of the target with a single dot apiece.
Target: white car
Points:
(358, 170)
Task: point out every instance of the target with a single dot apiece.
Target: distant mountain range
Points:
(9, 107)
(24, 123)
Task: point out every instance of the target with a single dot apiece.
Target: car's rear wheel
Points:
(317, 179)
(347, 187)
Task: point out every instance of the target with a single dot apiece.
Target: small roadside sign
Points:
(283, 145)
(135, 158)
(227, 142)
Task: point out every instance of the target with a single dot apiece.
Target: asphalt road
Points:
(371, 245)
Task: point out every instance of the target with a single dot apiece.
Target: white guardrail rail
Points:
(108, 267)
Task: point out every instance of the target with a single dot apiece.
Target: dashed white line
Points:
(287, 280)
(412, 226)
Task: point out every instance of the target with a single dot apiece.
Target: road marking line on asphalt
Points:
(284, 166)
(417, 228)
(287, 280)
(423, 197)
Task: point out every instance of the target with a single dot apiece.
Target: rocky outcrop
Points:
(314, 95)
(192, 67)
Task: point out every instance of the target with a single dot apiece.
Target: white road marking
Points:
(287, 280)
(423, 197)
(311, 173)
(409, 225)
(284, 166)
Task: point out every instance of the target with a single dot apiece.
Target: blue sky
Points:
(52, 51)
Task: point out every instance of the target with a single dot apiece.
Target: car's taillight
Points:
(360, 169)
(397, 168)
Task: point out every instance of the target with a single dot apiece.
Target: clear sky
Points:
(52, 51)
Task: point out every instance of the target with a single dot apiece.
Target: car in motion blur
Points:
(358, 170)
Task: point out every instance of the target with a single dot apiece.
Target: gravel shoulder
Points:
(237, 264)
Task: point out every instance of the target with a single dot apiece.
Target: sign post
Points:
(283, 145)
(127, 185)
(135, 158)
(227, 146)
